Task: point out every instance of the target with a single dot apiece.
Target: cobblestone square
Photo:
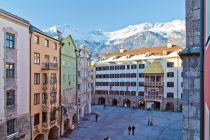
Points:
(114, 122)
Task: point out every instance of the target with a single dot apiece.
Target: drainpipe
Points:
(30, 32)
(201, 72)
(60, 87)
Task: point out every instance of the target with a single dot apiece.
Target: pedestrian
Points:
(152, 121)
(129, 130)
(133, 129)
(148, 122)
(96, 117)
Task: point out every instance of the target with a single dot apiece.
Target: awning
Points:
(153, 68)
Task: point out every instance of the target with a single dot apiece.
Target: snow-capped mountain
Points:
(133, 36)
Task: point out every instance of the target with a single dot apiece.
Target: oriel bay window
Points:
(53, 115)
(10, 70)
(53, 97)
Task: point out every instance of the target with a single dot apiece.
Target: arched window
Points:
(170, 95)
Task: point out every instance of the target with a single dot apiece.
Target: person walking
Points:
(133, 129)
(96, 117)
(129, 130)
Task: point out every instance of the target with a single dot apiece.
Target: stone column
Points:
(191, 73)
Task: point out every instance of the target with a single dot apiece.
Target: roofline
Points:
(35, 29)
(14, 16)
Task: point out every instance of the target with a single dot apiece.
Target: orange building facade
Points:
(45, 83)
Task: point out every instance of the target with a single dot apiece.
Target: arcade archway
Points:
(126, 103)
(101, 101)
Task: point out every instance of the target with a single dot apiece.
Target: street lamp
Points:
(77, 52)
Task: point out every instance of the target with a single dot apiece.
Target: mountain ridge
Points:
(133, 36)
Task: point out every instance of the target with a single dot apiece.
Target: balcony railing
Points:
(155, 84)
(49, 66)
(153, 97)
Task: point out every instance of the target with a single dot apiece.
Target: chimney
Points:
(169, 44)
(122, 50)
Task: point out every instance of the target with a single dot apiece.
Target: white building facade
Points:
(14, 77)
(84, 81)
(149, 78)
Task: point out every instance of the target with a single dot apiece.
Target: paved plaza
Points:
(114, 121)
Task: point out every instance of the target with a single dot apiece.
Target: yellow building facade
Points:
(45, 83)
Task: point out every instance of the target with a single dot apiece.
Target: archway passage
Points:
(170, 106)
(141, 104)
(66, 125)
(74, 118)
(157, 105)
(101, 101)
(114, 102)
(39, 137)
(126, 103)
(53, 133)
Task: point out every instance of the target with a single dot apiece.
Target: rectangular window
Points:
(44, 117)
(36, 78)
(141, 75)
(10, 127)
(44, 78)
(53, 78)
(170, 84)
(111, 67)
(36, 58)
(141, 66)
(133, 84)
(36, 98)
(122, 84)
(122, 67)
(53, 115)
(133, 66)
(10, 41)
(128, 75)
(78, 86)
(10, 70)
(36, 39)
(55, 60)
(116, 67)
(122, 92)
(170, 74)
(170, 64)
(44, 98)
(10, 95)
(141, 93)
(46, 43)
(55, 46)
(141, 84)
(53, 97)
(128, 67)
(133, 75)
(36, 119)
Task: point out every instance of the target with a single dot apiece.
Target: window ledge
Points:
(12, 135)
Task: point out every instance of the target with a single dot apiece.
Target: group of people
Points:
(150, 121)
(131, 128)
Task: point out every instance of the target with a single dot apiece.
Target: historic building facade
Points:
(14, 77)
(68, 83)
(45, 84)
(146, 77)
(84, 81)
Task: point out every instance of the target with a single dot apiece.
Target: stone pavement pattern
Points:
(114, 121)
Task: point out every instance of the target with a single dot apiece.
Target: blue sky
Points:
(86, 15)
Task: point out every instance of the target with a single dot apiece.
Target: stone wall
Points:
(191, 73)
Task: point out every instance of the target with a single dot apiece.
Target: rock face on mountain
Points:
(133, 36)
